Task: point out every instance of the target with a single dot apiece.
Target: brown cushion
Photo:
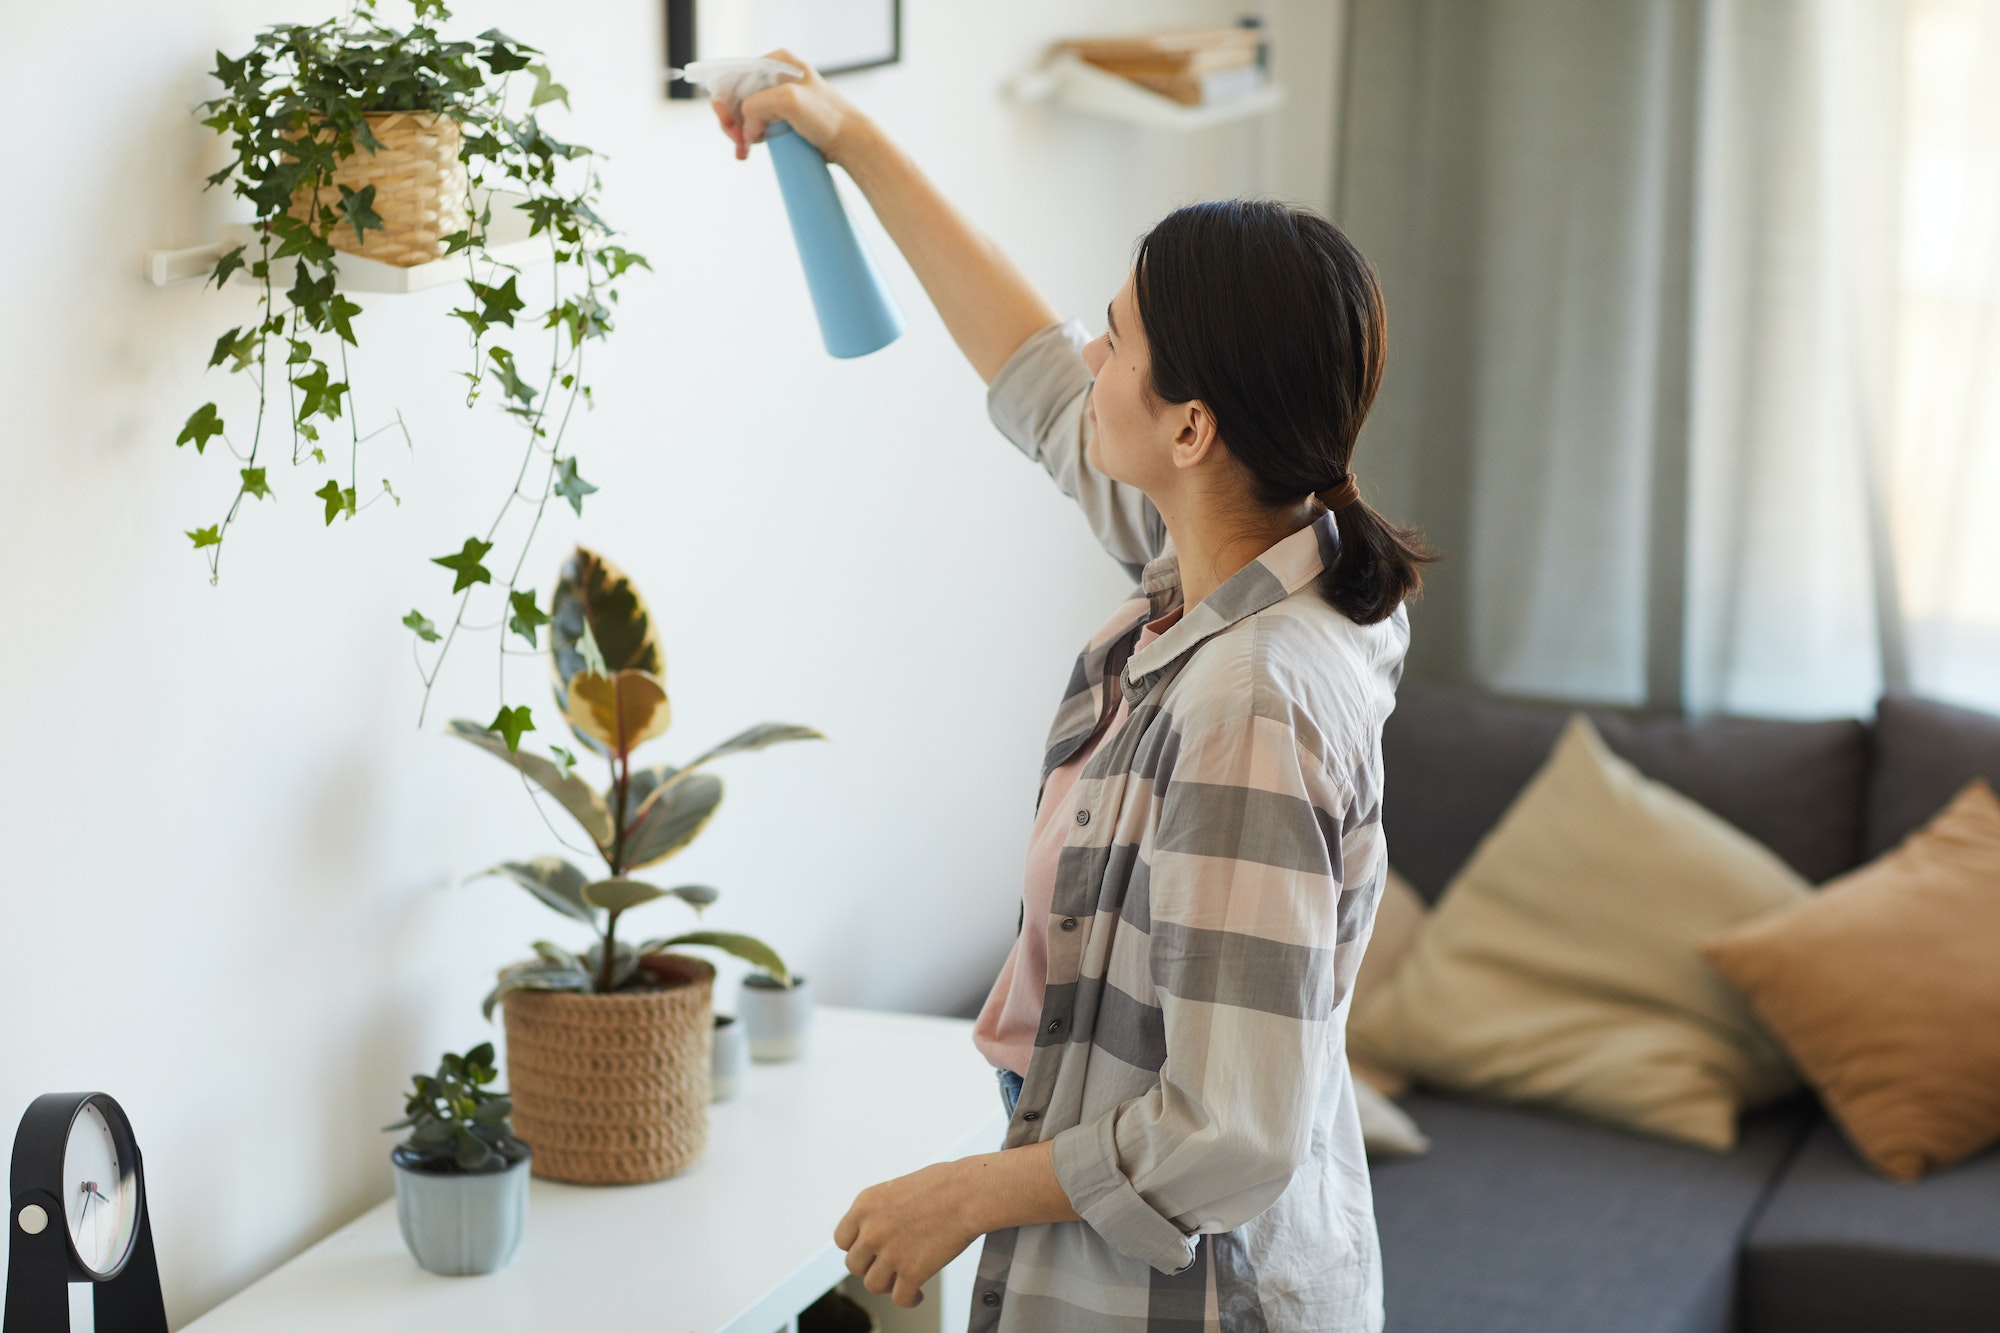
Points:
(1885, 989)
(1559, 968)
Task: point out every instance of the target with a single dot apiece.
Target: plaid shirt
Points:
(1212, 900)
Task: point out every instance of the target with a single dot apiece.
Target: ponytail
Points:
(1380, 566)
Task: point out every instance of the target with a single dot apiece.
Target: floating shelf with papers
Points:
(507, 240)
(1070, 81)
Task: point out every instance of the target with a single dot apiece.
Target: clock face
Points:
(100, 1192)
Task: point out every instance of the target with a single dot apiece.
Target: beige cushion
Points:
(1559, 967)
(1386, 1128)
(1398, 917)
(1885, 988)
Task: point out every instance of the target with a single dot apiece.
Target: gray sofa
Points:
(1530, 1221)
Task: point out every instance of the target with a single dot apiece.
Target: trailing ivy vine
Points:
(294, 107)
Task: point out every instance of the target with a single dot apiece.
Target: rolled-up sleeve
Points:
(1244, 891)
(1039, 400)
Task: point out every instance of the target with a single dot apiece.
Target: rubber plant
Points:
(609, 675)
(456, 1125)
(294, 107)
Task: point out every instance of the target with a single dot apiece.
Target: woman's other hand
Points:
(827, 120)
(900, 1233)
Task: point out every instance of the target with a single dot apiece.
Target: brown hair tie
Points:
(1341, 496)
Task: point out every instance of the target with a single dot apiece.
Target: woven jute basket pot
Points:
(419, 185)
(614, 1089)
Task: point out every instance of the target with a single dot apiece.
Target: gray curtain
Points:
(1639, 260)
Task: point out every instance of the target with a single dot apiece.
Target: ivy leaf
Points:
(340, 313)
(337, 500)
(564, 759)
(510, 383)
(511, 722)
(504, 55)
(616, 259)
(497, 304)
(228, 264)
(464, 563)
(253, 483)
(208, 536)
(570, 486)
(201, 427)
(419, 622)
(321, 395)
(527, 616)
(358, 207)
(225, 346)
(546, 90)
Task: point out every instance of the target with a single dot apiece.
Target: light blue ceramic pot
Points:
(777, 1019)
(731, 1054)
(462, 1225)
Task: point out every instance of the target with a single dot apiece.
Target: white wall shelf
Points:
(1068, 80)
(507, 241)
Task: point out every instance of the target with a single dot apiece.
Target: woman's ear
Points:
(1196, 440)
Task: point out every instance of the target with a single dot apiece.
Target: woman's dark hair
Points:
(1264, 311)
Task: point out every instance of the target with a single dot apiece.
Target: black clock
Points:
(79, 1215)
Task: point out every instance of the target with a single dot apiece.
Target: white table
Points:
(739, 1243)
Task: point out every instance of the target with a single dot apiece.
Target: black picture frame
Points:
(683, 43)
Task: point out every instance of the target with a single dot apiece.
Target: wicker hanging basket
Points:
(420, 190)
(614, 1089)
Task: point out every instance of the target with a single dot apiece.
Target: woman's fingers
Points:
(732, 129)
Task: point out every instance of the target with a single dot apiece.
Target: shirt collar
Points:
(1285, 567)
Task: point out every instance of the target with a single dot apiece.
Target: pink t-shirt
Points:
(1005, 1029)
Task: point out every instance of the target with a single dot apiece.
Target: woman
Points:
(1184, 1149)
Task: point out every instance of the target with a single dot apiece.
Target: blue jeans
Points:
(1010, 1089)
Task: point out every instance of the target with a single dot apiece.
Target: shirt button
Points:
(1069, 923)
(1055, 1025)
(1083, 817)
(1031, 1115)
(991, 1298)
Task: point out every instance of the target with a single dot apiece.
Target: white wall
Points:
(234, 890)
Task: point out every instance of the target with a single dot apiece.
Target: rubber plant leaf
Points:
(571, 792)
(756, 738)
(555, 881)
(643, 783)
(594, 595)
(543, 977)
(747, 947)
(670, 819)
(621, 711)
(620, 894)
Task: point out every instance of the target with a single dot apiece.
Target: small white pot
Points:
(777, 1019)
(732, 1057)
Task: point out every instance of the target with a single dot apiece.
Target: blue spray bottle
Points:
(857, 313)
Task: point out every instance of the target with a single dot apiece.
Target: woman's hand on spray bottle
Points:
(828, 121)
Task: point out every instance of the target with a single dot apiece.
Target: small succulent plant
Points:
(609, 676)
(457, 1126)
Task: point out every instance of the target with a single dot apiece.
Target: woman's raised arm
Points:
(987, 305)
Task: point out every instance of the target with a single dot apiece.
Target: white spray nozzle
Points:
(730, 79)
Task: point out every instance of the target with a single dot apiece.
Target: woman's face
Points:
(1130, 442)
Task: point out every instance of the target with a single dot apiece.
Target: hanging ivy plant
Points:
(296, 107)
